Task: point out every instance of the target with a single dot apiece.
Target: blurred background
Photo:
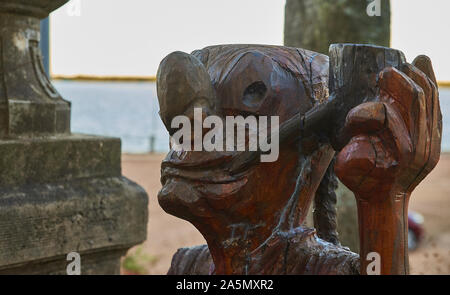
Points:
(103, 55)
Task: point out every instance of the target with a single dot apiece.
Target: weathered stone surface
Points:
(103, 262)
(58, 158)
(29, 104)
(36, 8)
(315, 24)
(42, 223)
(59, 193)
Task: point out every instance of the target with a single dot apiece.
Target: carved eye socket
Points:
(254, 94)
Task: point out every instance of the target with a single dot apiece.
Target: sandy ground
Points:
(432, 199)
(167, 233)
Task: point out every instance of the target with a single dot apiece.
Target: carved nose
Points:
(182, 85)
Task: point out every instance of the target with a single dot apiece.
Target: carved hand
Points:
(394, 143)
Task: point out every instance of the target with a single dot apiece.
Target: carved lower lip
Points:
(197, 160)
(198, 167)
(217, 176)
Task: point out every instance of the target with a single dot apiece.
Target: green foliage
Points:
(137, 262)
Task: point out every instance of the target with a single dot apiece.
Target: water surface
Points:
(129, 110)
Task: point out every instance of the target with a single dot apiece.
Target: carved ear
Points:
(182, 84)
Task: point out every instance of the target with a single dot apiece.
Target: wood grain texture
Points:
(392, 141)
(251, 213)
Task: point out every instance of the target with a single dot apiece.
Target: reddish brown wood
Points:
(395, 143)
(251, 213)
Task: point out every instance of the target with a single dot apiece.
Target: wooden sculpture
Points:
(377, 115)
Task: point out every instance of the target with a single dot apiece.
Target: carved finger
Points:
(422, 73)
(412, 158)
(395, 136)
(398, 89)
(366, 118)
(435, 134)
(423, 63)
(422, 80)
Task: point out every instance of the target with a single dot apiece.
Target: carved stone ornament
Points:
(29, 104)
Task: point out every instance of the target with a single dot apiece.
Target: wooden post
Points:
(354, 70)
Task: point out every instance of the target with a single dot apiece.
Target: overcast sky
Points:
(129, 38)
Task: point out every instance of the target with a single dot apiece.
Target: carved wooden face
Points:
(234, 80)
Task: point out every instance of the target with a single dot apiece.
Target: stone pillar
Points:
(59, 192)
(314, 25)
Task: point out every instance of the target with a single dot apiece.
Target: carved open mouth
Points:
(194, 181)
(211, 167)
